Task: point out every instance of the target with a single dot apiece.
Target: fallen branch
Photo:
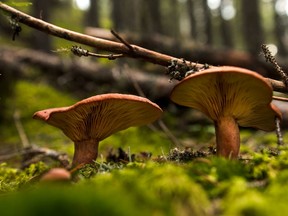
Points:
(81, 76)
(106, 45)
(101, 44)
(33, 154)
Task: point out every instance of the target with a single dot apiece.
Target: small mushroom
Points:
(231, 97)
(93, 119)
(56, 174)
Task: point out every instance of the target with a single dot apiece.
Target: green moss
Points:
(65, 200)
(163, 187)
(147, 189)
(12, 179)
(242, 200)
(153, 188)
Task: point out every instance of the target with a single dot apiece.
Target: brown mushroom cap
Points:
(229, 91)
(100, 116)
(56, 174)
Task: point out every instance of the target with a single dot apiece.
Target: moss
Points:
(65, 200)
(12, 179)
(203, 186)
(242, 200)
(142, 189)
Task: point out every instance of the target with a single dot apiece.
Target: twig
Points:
(270, 58)
(110, 46)
(129, 155)
(277, 85)
(280, 141)
(79, 51)
(20, 129)
(280, 98)
(35, 154)
(30, 153)
(122, 40)
(163, 155)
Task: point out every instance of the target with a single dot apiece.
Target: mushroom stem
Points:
(85, 152)
(227, 137)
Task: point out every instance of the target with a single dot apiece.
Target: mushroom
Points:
(231, 97)
(56, 174)
(93, 119)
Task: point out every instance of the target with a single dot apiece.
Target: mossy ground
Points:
(203, 186)
(170, 182)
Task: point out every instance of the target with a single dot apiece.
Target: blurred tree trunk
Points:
(126, 14)
(192, 18)
(172, 25)
(132, 13)
(8, 77)
(280, 26)
(251, 26)
(200, 21)
(117, 14)
(226, 31)
(208, 24)
(92, 15)
(152, 15)
(41, 9)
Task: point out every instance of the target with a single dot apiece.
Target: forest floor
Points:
(139, 171)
